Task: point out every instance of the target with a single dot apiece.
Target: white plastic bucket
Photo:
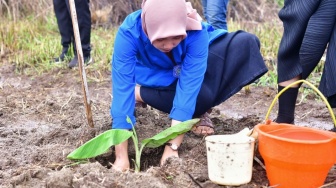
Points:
(230, 158)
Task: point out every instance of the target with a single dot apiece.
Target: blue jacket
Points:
(136, 61)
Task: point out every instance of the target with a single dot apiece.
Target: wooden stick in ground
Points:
(87, 101)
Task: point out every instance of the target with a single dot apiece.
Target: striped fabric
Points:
(309, 28)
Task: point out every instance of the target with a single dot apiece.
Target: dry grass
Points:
(16, 9)
(113, 12)
(28, 39)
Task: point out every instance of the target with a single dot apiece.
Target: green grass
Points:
(280, 2)
(32, 43)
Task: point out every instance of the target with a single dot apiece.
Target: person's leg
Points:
(84, 25)
(317, 36)
(315, 39)
(162, 99)
(328, 80)
(216, 13)
(287, 101)
(158, 98)
(205, 13)
(295, 18)
(63, 22)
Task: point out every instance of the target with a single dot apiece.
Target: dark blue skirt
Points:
(234, 61)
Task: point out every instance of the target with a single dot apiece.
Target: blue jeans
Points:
(215, 13)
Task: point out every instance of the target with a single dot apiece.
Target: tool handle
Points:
(87, 101)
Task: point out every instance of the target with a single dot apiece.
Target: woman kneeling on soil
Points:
(164, 56)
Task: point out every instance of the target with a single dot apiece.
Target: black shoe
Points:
(332, 101)
(73, 63)
(61, 58)
(333, 129)
(276, 121)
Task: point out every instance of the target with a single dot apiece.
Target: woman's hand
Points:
(168, 151)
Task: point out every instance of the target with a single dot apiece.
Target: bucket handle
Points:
(313, 87)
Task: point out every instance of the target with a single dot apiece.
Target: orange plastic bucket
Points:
(296, 156)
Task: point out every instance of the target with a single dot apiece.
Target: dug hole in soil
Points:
(42, 120)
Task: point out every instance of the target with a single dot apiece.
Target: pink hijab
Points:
(166, 18)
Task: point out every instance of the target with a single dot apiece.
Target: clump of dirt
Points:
(42, 120)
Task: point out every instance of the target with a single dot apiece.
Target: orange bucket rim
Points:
(293, 127)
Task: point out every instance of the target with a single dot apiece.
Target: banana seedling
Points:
(102, 143)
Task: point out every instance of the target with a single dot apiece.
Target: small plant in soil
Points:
(101, 143)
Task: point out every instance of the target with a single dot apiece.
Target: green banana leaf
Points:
(100, 144)
(169, 133)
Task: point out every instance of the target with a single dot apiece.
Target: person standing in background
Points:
(64, 21)
(215, 13)
(309, 28)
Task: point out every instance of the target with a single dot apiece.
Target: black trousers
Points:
(234, 61)
(309, 28)
(63, 15)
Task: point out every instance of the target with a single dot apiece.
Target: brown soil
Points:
(42, 119)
